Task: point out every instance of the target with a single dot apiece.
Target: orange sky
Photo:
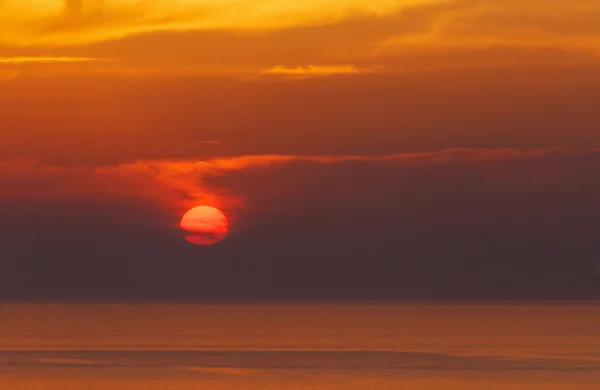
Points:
(434, 112)
(120, 81)
(249, 37)
(327, 71)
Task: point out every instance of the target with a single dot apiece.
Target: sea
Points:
(298, 347)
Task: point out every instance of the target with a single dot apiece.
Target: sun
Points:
(204, 225)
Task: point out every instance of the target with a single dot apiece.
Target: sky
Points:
(390, 150)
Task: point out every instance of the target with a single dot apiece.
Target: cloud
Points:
(486, 24)
(43, 60)
(225, 370)
(246, 37)
(65, 362)
(253, 362)
(313, 70)
(83, 21)
(178, 185)
(181, 184)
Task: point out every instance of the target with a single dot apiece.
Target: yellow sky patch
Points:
(68, 22)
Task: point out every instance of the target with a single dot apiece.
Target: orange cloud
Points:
(180, 185)
(402, 35)
(43, 60)
(312, 70)
(225, 370)
(507, 23)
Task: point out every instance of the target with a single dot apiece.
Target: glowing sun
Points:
(204, 225)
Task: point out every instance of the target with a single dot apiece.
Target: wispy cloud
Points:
(314, 70)
(507, 23)
(76, 22)
(254, 362)
(402, 35)
(43, 59)
(181, 184)
(225, 370)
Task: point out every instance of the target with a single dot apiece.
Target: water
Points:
(299, 347)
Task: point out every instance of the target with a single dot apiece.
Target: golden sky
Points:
(315, 37)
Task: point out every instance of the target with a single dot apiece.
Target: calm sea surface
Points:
(299, 347)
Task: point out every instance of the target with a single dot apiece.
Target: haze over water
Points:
(299, 347)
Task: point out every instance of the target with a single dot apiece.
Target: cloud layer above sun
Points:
(178, 185)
